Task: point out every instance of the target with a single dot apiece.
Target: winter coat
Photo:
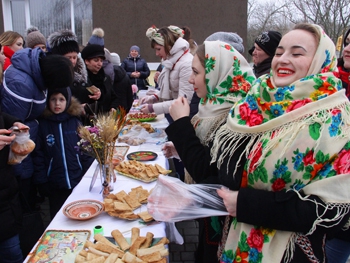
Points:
(178, 78)
(23, 95)
(56, 157)
(8, 52)
(131, 64)
(122, 88)
(108, 97)
(10, 207)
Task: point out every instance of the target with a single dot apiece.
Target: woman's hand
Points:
(6, 140)
(144, 108)
(96, 95)
(156, 75)
(179, 108)
(230, 200)
(21, 126)
(169, 150)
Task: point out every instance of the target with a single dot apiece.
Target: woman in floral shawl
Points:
(294, 129)
(221, 77)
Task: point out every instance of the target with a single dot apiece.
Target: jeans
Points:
(10, 251)
(337, 250)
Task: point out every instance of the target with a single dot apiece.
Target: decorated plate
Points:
(143, 117)
(142, 156)
(83, 209)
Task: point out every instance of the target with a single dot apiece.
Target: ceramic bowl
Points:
(83, 209)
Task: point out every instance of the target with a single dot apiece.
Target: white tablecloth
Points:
(81, 191)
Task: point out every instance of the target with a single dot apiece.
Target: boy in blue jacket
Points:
(58, 165)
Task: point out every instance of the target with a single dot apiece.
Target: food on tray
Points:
(141, 250)
(141, 171)
(131, 140)
(136, 124)
(122, 205)
(142, 116)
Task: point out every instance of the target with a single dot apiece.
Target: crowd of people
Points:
(275, 135)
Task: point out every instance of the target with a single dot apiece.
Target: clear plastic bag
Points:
(20, 147)
(172, 200)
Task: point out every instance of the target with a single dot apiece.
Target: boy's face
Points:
(57, 103)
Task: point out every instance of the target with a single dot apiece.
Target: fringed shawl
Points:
(298, 138)
(228, 78)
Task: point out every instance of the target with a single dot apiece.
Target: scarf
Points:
(298, 139)
(177, 51)
(228, 78)
(152, 34)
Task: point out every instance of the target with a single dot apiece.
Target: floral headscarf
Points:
(297, 138)
(228, 77)
(152, 33)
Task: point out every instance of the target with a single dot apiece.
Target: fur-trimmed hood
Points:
(80, 73)
(74, 109)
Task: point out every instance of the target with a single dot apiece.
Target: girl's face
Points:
(17, 45)
(346, 56)
(197, 78)
(94, 64)
(293, 57)
(73, 57)
(42, 46)
(160, 51)
(134, 53)
(57, 103)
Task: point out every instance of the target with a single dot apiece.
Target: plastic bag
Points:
(20, 147)
(172, 200)
(135, 136)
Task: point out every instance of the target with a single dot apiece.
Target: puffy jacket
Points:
(23, 95)
(56, 158)
(122, 88)
(10, 208)
(131, 64)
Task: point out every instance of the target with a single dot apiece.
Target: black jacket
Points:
(10, 207)
(122, 88)
(56, 157)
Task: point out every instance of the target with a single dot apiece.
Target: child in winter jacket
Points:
(59, 167)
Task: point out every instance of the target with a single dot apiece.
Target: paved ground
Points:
(178, 253)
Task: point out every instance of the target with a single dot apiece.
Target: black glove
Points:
(44, 189)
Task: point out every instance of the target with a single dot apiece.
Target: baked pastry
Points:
(23, 149)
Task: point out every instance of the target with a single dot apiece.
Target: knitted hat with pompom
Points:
(97, 37)
(34, 37)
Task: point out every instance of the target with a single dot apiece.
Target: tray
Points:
(53, 245)
(142, 156)
(143, 117)
(137, 178)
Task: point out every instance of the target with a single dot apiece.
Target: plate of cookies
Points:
(124, 205)
(117, 248)
(140, 171)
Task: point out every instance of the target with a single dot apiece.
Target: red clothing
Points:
(8, 52)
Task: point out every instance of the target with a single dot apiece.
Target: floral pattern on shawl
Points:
(298, 136)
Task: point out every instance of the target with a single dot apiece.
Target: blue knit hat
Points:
(135, 48)
(97, 37)
(230, 38)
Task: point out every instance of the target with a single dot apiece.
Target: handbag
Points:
(32, 227)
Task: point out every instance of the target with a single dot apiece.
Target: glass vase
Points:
(108, 179)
